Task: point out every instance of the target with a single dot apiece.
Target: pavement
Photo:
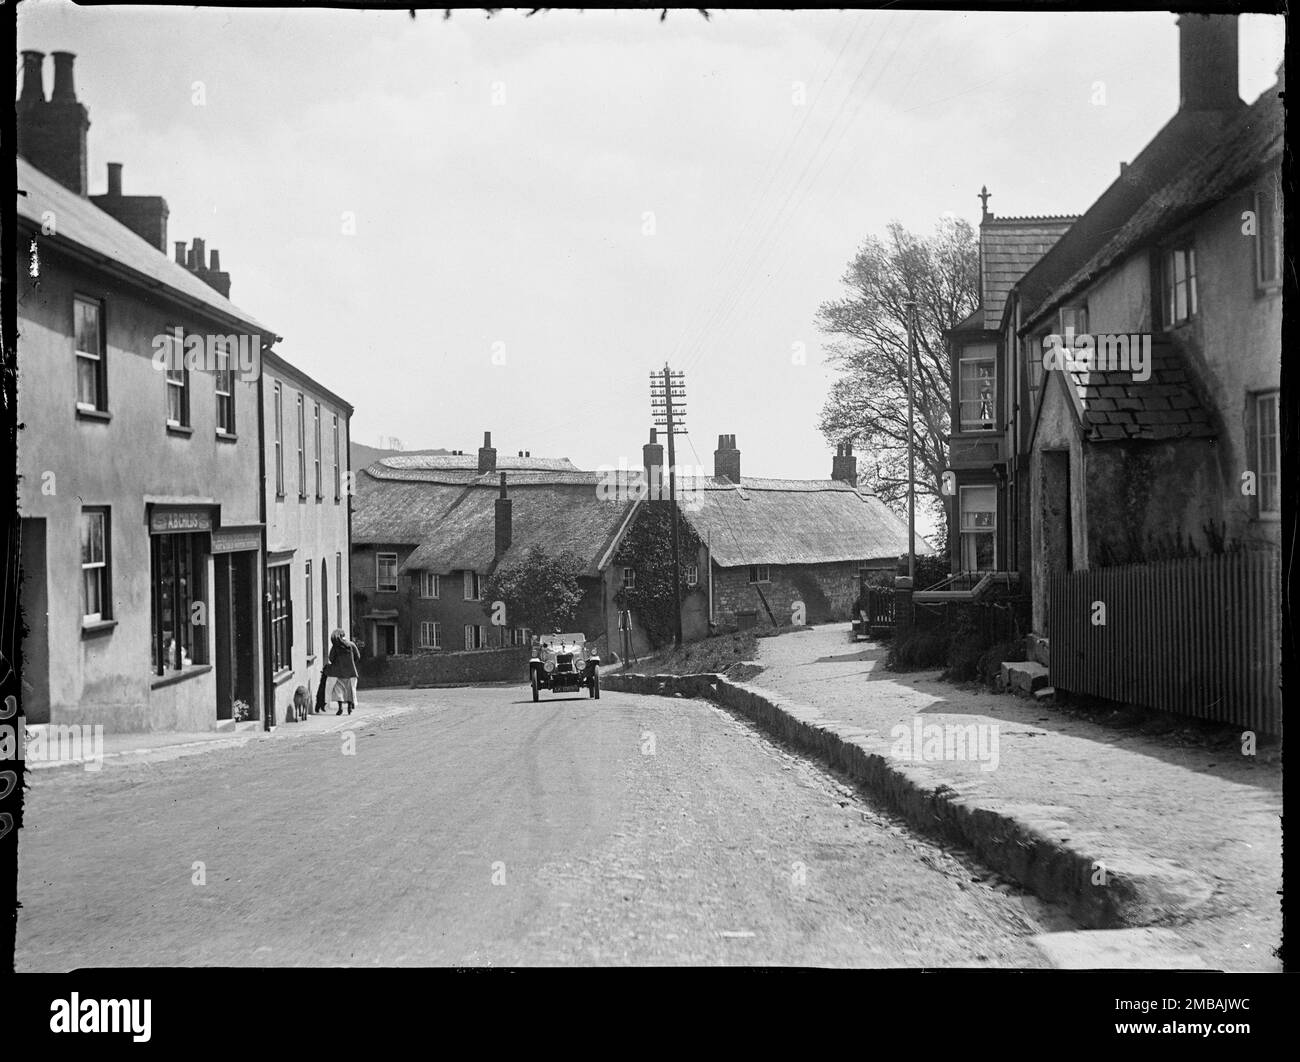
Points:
(158, 745)
(471, 827)
(1197, 831)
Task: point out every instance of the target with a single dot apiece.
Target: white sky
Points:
(520, 223)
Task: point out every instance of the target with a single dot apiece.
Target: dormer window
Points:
(1074, 320)
(977, 394)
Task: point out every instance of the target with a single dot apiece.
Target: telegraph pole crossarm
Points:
(665, 412)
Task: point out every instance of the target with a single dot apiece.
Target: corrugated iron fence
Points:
(1199, 636)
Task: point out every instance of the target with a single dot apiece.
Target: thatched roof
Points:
(388, 511)
(558, 515)
(792, 521)
(469, 461)
(1254, 140)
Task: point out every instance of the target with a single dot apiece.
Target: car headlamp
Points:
(549, 665)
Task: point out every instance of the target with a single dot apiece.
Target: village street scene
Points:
(646, 488)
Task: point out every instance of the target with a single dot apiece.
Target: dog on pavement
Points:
(301, 704)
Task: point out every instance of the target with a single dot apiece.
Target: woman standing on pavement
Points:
(342, 670)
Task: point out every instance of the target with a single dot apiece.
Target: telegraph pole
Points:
(911, 443)
(664, 387)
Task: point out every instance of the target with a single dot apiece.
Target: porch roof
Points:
(1114, 407)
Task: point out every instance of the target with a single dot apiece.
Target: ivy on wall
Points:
(647, 549)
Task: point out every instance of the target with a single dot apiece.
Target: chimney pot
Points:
(200, 255)
(487, 438)
(180, 252)
(214, 259)
(115, 179)
(528, 453)
(51, 134)
(33, 79)
(64, 91)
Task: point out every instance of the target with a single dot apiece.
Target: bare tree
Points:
(868, 402)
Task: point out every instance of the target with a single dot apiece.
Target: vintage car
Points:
(562, 663)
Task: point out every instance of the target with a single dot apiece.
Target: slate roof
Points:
(792, 521)
(561, 518)
(1246, 146)
(1009, 248)
(1114, 407)
(80, 222)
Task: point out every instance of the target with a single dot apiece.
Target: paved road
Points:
(477, 828)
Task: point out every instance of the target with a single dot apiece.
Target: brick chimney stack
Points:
(652, 459)
(726, 459)
(145, 215)
(845, 465)
(487, 455)
(1207, 62)
(33, 92)
(51, 134)
(504, 522)
(205, 266)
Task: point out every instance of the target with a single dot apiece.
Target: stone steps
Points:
(1023, 676)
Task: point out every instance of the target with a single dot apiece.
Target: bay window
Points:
(978, 511)
(977, 388)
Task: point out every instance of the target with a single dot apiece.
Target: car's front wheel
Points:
(536, 695)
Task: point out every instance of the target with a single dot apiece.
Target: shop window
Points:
(179, 607)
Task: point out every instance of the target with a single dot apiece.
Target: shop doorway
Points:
(236, 632)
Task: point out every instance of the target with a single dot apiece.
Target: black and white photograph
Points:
(502, 489)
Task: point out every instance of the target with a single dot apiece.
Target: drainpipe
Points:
(346, 446)
(263, 607)
(708, 557)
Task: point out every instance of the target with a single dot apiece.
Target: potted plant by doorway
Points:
(241, 711)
